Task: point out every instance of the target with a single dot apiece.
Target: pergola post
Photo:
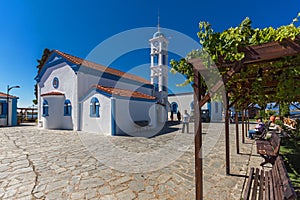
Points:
(245, 123)
(243, 127)
(246, 119)
(237, 133)
(227, 148)
(198, 137)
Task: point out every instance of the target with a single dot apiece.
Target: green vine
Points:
(227, 44)
(224, 47)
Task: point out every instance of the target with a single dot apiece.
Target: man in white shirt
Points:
(185, 121)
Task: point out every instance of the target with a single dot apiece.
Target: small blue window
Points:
(3, 109)
(67, 108)
(45, 108)
(174, 107)
(94, 107)
(55, 82)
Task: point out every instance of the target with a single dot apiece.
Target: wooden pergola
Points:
(258, 54)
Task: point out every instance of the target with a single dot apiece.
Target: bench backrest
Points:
(283, 188)
(275, 142)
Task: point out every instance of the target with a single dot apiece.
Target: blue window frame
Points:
(45, 108)
(3, 109)
(55, 82)
(94, 107)
(67, 108)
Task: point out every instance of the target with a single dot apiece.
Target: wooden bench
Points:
(273, 184)
(269, 149)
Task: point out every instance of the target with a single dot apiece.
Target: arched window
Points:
(45, 108)
(67, 108)
(94, 107)
(174, 107)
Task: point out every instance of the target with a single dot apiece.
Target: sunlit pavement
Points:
(54, 164)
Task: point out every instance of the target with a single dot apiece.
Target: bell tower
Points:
(159, 65)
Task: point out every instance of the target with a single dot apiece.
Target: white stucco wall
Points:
(129, 111)
(102, 124)
(39, 107)
(55, 119)
(68, 86)
(216, 111)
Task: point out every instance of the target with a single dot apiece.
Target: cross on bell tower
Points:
(159, 65)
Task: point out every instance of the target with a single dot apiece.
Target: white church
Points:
(76, 94)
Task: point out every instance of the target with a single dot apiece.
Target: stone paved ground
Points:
(52, 164)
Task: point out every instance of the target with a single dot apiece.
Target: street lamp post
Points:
(7, 100)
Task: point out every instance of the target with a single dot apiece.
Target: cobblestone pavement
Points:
(53, 164)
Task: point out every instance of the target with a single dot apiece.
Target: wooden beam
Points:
(271, 50)
(198, 67)
(227, 145)
(198, 138)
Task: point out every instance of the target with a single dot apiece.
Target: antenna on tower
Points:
(158, 25)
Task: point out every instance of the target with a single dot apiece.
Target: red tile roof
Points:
(52, 94)
(124, 93)
(5, 95)
(80, 61)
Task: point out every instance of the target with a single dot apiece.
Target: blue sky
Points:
(77, 27)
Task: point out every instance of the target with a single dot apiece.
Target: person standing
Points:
(178, 116)
(185, 121)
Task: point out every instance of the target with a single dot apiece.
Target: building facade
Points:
(76, 94)
(8, 110)
(185, 101)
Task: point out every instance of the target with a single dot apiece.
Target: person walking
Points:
(185, 121)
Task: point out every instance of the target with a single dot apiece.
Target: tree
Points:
(39, 67)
